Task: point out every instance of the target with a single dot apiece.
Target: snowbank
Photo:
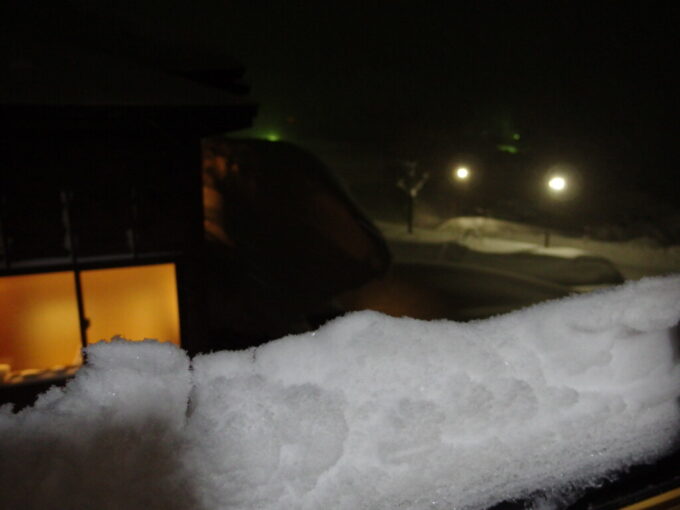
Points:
(475, 243)
(635, 258)
(368, 412)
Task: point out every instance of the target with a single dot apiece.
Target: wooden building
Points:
(124, 211)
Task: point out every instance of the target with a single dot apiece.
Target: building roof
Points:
(47, 80)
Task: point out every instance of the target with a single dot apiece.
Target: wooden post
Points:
(73, 249)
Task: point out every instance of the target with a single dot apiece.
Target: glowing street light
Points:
(461, 173)
(557, 183)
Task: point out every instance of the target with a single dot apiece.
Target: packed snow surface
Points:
(368, 412)
(634, 258)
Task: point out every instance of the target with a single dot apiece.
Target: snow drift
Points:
(368, 412)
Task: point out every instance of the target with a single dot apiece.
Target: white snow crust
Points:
(368, 412)
(634, 258)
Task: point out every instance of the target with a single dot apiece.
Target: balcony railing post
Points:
(72, 246)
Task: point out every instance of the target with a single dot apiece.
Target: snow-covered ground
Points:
(368, 412)
(633, 259)
(474, 267)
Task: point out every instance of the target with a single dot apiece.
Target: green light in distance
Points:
(273, 137)
(510, 149)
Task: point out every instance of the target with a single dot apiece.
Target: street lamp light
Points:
(460, 176)
(461, 173)
(557, 183)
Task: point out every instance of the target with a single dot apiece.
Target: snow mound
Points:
(368, 412)
(112, 439)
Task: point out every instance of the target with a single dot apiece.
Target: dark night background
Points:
(367, 84)
(513, 89)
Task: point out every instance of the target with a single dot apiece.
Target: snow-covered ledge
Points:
(368, 412)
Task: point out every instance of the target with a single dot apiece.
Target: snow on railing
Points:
(368, 412)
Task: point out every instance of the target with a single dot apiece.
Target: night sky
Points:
(589, 83)
(588, 71)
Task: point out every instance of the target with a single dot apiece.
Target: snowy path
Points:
(634, 259)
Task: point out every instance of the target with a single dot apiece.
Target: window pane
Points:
(102, 218)
(38, 325)
(34, 227)
(132, 302)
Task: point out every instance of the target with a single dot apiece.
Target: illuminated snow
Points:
(368, 412)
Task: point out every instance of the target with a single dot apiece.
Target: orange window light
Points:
(38, 322)
(132, 302)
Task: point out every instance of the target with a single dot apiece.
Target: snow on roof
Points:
(368, 412)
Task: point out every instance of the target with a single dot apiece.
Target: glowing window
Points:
(132, 302)
(39, 330)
